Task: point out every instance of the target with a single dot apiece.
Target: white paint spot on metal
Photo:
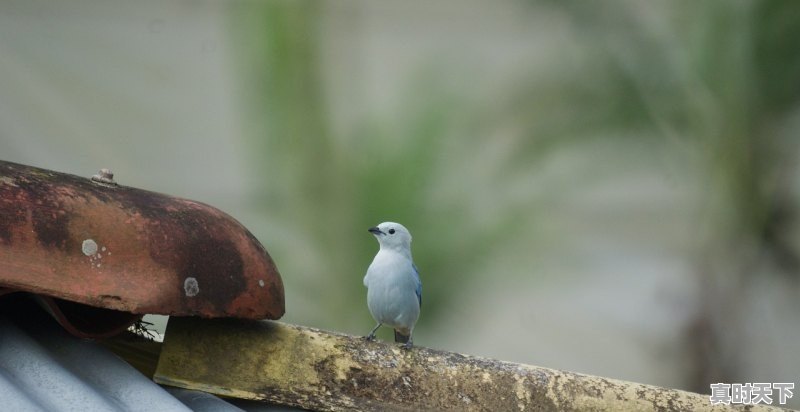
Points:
(103, 249)
(89, 247)
(98, 265)
(191, 287)
(99, 256)
(261, 282)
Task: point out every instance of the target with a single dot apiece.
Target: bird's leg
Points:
(371, 336)
(409, 344)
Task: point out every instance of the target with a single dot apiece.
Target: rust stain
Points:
(130, 250)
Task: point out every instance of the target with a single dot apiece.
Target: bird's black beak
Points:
(375, 231)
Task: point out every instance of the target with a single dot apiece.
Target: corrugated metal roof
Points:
(42, 368)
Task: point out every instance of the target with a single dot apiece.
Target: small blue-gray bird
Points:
(394, 291)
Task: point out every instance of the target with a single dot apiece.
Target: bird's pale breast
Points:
(391, 287)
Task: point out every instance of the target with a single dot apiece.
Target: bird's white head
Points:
(393, 236)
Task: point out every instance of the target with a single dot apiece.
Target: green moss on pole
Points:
(318, 370)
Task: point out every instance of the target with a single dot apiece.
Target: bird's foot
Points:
(371, 336)
(407, 346)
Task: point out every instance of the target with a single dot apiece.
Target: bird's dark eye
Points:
(391, 231)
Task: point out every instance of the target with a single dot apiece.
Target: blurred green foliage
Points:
(334, 191)
(712, 86)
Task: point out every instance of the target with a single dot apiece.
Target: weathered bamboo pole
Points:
(318, 370)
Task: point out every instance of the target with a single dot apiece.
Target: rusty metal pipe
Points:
(104, 245)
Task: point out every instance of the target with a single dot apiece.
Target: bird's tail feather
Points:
(400, 338)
